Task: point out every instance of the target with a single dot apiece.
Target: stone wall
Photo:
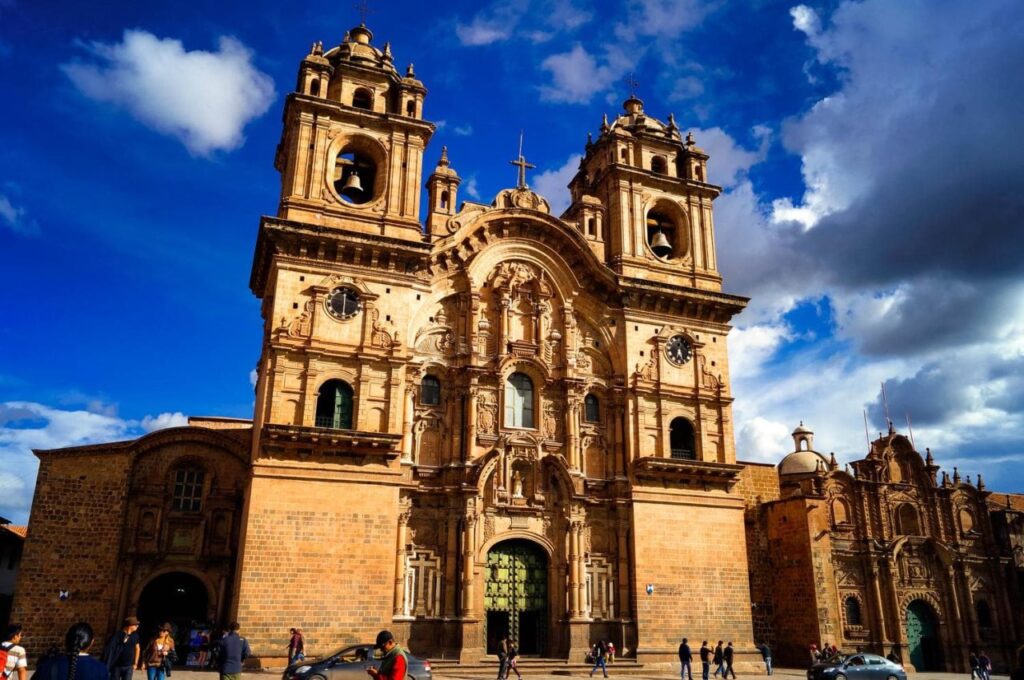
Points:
(759, 484)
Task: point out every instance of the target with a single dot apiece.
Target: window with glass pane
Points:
(334, 405)
(188, 490)
(430, 391)
(519, 401)
(592, 409)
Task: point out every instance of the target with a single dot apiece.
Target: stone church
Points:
(492, 421)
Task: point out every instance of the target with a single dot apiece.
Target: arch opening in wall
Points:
(178, 598)
(362, 98)
(592, 409)
(840, 512)
(334, 405)
(430, 391)
(851, 607)
(314, 87)
(907, 520)
(410, 108)
(984, 613)
(519, 401)
(666, 231)
(659, 165)
(682, 440)
(356, 171)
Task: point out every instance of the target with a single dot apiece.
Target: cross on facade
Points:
(523, 165)
(632, 84)
(363, 7)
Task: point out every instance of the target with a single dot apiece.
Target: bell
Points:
(353, 187)
(660, 244)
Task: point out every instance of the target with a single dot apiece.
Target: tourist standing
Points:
(75, 663)
(14, 657)
(155, 656)
(984, 666)
(232, 651)
(685, 657)
(394, 663)
(727, 655)
(719, 660)
(600, 654)
(813, 651)
(296, 646)
(611, 652)
(513, 658)
(766, 655)
(973, 659)
(123, 650)
(503, 657)
(705, 660)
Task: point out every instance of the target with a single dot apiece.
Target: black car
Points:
(857, 667)
(350, 663)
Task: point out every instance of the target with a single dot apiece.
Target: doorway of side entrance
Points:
(177, 598)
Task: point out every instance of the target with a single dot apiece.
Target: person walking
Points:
(600, 655)
(973, 660)
(513, 658)
(984, 666)
(719, 660)
(705, 660)
(727, 655)
(157, 651)
(123, 650)
(296, 647)
(503, 657)
(766, 655)
(75, 663)
(394, 663)
(685, 657)
(232, 651)
(12, 655)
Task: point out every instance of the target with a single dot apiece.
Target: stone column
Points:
(407, 420)
(878, 608)
(581, 571)
(622, 572)
(468, 566)
(574, 608)
(503, 311)
(399, 608)
(471, 407)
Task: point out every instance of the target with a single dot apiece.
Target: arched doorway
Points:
(923, 637)
(515, 595)
(176, 598)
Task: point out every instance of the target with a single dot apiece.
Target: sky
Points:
(872, 202)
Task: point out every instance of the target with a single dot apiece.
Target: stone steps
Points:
(488, 668)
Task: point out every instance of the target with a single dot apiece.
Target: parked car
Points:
(857, 667)
(350, 663)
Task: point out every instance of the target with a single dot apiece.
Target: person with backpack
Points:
(600, 655)
(12, 654)
(122, 651)
(75, 663)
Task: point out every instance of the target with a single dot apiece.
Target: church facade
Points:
(494, 421)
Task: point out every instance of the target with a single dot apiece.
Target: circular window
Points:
(343, 303)
(357, 171)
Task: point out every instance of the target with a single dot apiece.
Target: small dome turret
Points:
(804, 459)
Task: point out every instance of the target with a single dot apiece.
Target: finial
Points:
(672, 122)
(363, 7)
(832, 464)
(945, 478)
(968, 478)
(590, 138)
(317, 49)
(347, 37)
(604, 123)
(443, 162)
(409, 72)
(801, 423)
(956, 475)
(632, 84)
(690, 141)
(928, 457)
(981, 483)
(387, 50)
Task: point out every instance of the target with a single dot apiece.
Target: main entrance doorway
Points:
(516, 596)
(176, 598)
(923, 637)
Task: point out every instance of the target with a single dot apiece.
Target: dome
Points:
(634, 120)
(356, 48)
(802, 463)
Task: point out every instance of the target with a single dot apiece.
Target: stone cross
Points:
(523, 165)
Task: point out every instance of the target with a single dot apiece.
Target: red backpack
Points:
(4, 653)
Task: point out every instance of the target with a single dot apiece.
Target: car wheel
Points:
(316, 677)
(892, 677)
(840, 676)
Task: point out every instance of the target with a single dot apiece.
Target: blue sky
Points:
(872, 204)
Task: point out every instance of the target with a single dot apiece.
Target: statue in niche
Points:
(517, 485)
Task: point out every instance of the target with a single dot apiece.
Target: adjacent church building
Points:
(502, 421)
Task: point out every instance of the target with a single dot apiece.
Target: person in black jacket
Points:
(727, 655)
(719, 660)
(705, 659)
(766, 655)
(232, 651)
(685, 657)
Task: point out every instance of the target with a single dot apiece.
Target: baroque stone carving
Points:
(486, 412)
(300, 326)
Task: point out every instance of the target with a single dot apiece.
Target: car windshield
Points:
(353, 654)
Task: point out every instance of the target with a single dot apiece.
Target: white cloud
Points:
(254, 376)
(575, 76)
(665, 19)
(751, 347)
(16, 218)
(687, 87)
(481, 31)
(537, 21)
(25, 426)
(554, 184)
(805, 20)
(762, 440)
(203, 98)
(471, 188)
(164, 421)
(463, 130)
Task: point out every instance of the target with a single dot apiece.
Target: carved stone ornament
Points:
(299, 326)
(486, 413)
(523, 198)
(708, 379)
(380, 336)
(648, 371)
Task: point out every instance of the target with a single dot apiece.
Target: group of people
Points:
(981, 666)
(602, 654)
(827, 651)
(508, 657)
(122, 654)
(720, 656)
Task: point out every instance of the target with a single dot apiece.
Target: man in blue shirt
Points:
(233, 651)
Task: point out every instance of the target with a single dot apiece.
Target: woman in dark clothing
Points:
(75, 663)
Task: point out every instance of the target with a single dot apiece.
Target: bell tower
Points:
(652, 184)
(351, 153)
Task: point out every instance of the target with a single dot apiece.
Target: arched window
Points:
(430, 391)
(698, 174)
(444, 200)
(681, 439)
(840, 512)
(314, 87)
(852, 607)
(624, 155)
(410, 108)
(188, 490)
(519, 401)
(334, 405)
(984, 614)
(592, 409)
(659, 166)
(907, 520)
(355, 172)
(362, 99)
(591, 226)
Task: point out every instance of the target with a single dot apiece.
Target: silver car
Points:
(857, 667)
(350, 663)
